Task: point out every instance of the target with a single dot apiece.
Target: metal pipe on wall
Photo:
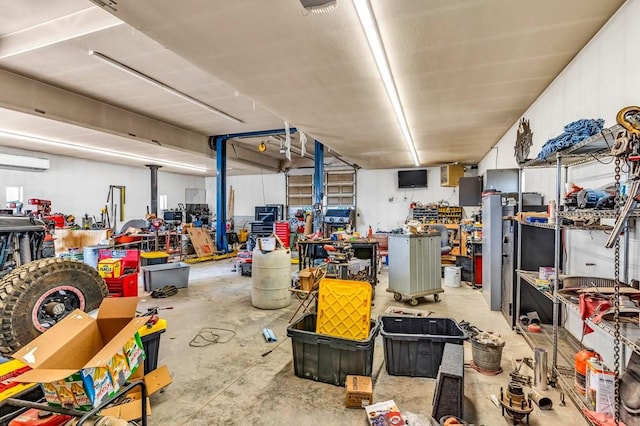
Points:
(221, 193)
(154, 188)
(318, 184)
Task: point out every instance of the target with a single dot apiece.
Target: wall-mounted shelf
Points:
(629, 333)
(592, 213)
(590, 149)
(595, 227)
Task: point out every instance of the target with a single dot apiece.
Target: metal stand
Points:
(84, 416)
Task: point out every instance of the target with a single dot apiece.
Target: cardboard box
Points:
(546, 273)
(132, 410)
(110, 268)
(600, 388)
(359, 391)
(82, 361)
(307, 278)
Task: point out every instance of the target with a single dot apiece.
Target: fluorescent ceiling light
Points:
(161, 85)
(103, 151)
(23, 162)
(370, 27)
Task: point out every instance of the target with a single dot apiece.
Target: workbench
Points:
(66, 239)
(310, 250)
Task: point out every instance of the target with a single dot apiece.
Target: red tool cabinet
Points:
(127, 284)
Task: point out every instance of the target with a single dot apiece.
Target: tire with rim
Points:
(36, 295)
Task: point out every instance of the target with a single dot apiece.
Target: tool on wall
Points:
(627, 148)
(113, 206)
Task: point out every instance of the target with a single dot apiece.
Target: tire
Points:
(397, 297)
(413, 302)
(24, 292)
(436, 298)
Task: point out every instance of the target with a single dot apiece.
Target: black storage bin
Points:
(413, 346)
(329, 359)
(151, 345)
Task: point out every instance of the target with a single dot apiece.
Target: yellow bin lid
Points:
(153, 254)
(159, 327)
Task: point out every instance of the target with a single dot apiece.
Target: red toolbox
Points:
(33, 417)
(283, 231)
(127, 284)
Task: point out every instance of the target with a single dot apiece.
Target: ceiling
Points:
(465, 71)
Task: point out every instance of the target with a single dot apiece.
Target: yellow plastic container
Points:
(150, 337)
(9, 370)
(160, 326)
(153, 258)
(344, 308)
(110, 268)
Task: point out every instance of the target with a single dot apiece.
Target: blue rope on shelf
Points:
(574, 132)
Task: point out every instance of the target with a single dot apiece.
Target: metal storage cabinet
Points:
(414, 266)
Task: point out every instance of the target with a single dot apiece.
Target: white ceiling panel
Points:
(465, 69)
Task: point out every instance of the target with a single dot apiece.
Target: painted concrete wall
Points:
(383, 206)
(250, 191)
(77, 186)
(600, 81)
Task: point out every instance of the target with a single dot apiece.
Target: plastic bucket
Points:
(271, 279)
(486, 356)
(452, 276)
(90, 255)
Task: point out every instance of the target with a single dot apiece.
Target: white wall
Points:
(76, 186)
(601, 80)
(383, 206)
(250, 191)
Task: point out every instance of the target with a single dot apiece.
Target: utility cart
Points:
(415, 269)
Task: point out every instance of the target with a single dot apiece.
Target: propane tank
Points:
(580, 363)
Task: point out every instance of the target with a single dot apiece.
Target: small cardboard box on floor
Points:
(359, 391)
(82, 361)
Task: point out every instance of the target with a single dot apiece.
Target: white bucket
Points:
(90, 255)
(452, 276)
(271, 279)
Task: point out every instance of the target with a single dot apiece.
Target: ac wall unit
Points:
(21, 162)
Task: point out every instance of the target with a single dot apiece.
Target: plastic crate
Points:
(344, 308)
(151, 342)
(329, 359)
(157, 276)
(413, 346)
(245, 269)
(153, 258)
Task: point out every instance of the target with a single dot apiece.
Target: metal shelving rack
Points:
(591, 149)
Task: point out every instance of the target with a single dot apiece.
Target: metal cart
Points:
(415, 269)
(85, 415)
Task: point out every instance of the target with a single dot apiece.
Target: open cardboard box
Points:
(82, 361)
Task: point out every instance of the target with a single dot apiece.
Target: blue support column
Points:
(221, 194)
(318, 184)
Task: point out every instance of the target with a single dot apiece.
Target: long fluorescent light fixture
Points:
(161, 85)
(104, 151)
(21, 162)
(370, 28)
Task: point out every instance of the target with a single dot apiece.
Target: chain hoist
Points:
(616, 300)
(625, 149)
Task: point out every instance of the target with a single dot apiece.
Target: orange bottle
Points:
(580, 362)
(370, 233)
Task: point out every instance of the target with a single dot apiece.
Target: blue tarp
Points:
(574, 132)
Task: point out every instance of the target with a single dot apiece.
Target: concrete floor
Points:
(233, 384)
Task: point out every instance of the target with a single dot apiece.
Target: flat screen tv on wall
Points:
(412, 178)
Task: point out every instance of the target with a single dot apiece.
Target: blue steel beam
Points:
(257, 133)
(318, 184)
(221, 194)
